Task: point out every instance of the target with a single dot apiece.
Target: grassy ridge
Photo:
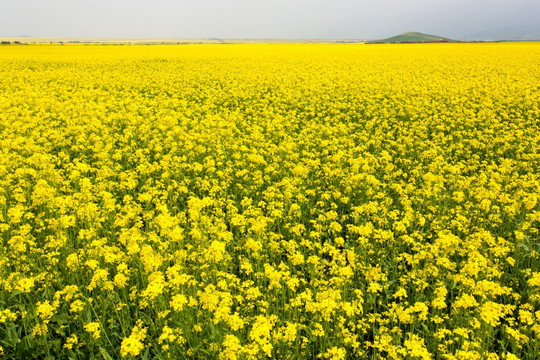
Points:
(412, 37)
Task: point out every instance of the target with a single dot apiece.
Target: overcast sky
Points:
(292, 19)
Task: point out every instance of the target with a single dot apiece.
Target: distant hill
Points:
(411, 37)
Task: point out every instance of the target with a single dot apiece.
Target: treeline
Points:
(4, 42)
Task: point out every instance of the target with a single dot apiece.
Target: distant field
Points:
(103, 40)
(283, 201)
(37, 40)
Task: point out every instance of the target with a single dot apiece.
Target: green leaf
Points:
(105, 354)
(24, 348)
(146, 353)
(15, 293)
(29, 339)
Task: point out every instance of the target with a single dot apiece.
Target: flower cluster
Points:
(270, 201)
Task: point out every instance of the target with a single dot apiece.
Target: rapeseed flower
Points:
(270, 200)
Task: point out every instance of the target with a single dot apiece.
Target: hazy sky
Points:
(262, 18)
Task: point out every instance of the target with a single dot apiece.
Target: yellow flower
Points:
(76, 306)
(156, 285)
(133, 345)
(232, 348)
(71, 341)
(7, 316)
(167, 336)
(417, 348)
(40, 329)
(94, 329)
(264, 192)
(465, 301)
(491, 312)
(400, 293)
(45, 310)
(290, 332)
(534, 280)
(25, 285)
(178, 302)
(335, 353)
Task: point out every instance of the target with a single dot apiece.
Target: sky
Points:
(266, 19)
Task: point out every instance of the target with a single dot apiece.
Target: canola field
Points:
(270, 201)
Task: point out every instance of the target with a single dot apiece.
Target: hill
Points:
(412, 37)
